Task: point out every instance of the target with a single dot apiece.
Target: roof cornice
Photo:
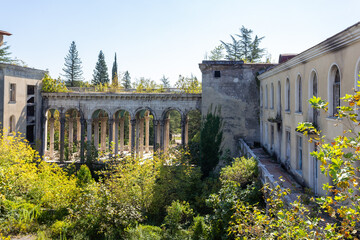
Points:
(340, 40)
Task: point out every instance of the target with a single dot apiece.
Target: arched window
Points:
(266, 96)
(313, 92)
(356, 85)
(287, 95)
(298, 97)
(272, 96)
(279, 98)
(12, 124)
(334, 90)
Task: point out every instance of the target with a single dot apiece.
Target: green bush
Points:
(84, 177)
(144, 232)
(242, 171)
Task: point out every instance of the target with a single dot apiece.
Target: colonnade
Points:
(107, 134)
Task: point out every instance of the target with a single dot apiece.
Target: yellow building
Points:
(328, 70)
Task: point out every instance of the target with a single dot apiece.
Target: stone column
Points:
(78, 129)
(82, 144)
(46, 122)
(147, 133)
(71, 133)
(130, 135)
(116, 136)
(122, 122)
(111, 127)
(167, 133)
(62, 136)
(89, 137)
(103, 133)
(156, 135)
(133, 123)
(96, 133)
(51, 121)
(141, 137)
(137, 136)
(162, 132)
(186, 131)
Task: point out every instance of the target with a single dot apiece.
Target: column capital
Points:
(162, 122)
(111, 120)
(89, 121)
(133, 122)
(156, 122)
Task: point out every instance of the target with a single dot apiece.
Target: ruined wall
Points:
(233, 86)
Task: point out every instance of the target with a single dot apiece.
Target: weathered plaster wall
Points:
(22, 77)
(236, 92)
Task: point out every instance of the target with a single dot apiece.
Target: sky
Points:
(162, 37)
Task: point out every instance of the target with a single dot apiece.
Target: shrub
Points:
(144, 232)
(242, 171)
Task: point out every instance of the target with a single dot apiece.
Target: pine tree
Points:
(4, 54)
(245, 48)
(233, 50)
(114, 73)
(101, 71)
(126, 80)
(165, 82)
(72, 69)
(217, 53)
(245, 42)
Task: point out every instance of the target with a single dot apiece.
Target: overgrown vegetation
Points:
(52, 85)
(169, 197)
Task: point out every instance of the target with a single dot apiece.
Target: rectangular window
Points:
(31, 90)
(299, 153)
(217, 74)
(12, 92)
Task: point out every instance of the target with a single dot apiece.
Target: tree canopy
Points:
(101, 71)
(126, 80)
(5, 54)
(114, 73)
(243, 47)
(72, 68)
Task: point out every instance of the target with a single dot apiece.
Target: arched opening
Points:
(279, 98)
(12, 124)
(72, 135)
(122, 132)
(298, 95)
(272, 96)
(172, 129)
(100, 125)
(313, 92)
(334, 90)
(287, 95)
(192, 130)
(144, 133)
(52, 134)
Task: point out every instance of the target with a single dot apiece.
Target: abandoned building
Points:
(259, 103)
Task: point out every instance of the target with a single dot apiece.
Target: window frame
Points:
(12, 93)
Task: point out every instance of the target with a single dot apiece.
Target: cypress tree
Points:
(72, 69)
(126, 81)
(114, 73)
(101, 71)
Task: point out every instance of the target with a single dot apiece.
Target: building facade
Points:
(328, 70)
(20, 100)
(233, 87)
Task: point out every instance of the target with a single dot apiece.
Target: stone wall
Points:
(233, 86)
